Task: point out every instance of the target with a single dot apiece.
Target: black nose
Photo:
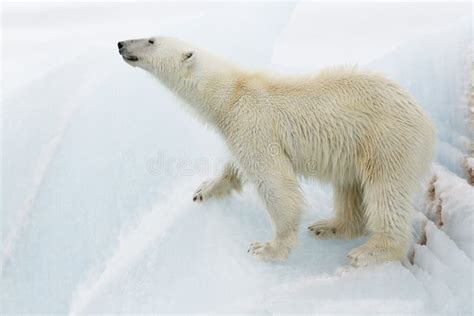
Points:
(120, 45)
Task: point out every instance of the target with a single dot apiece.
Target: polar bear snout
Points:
(125, 51)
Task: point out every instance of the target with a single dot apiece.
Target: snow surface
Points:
(99, 163)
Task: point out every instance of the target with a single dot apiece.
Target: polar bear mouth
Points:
(130, 58)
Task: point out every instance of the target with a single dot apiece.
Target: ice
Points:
(440, 296)
(445, 250)
(99, 163)
(451, 207)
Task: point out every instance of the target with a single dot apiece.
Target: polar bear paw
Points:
(374, 252)
(269, 251)
(331, 228)
(324, 229)
(205, 191)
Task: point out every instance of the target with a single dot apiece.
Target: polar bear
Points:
(355, 129)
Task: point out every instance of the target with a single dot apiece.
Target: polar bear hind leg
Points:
(388, 211)
(349, 221)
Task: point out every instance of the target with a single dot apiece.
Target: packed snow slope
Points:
(99, 163)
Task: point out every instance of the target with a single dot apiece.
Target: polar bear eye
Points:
(187, 55)
(151, 41)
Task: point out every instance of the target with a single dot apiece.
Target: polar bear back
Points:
(343, 123)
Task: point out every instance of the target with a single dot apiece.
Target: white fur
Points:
(356, 129)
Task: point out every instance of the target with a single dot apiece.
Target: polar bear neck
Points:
(208, 92)
(211, 95)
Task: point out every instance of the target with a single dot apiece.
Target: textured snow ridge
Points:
(450, 205)
(132, 247)
(442, 258)
(45, 157)
(468, 163)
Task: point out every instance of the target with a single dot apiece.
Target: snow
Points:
(99, 163)
(451, 207)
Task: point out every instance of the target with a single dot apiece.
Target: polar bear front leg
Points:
(223, 185)
(279, 189)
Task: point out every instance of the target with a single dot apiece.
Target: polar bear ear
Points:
(188, 56)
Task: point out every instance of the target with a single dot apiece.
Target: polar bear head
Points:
(162, 56)
(196, 75)
(173, 61)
